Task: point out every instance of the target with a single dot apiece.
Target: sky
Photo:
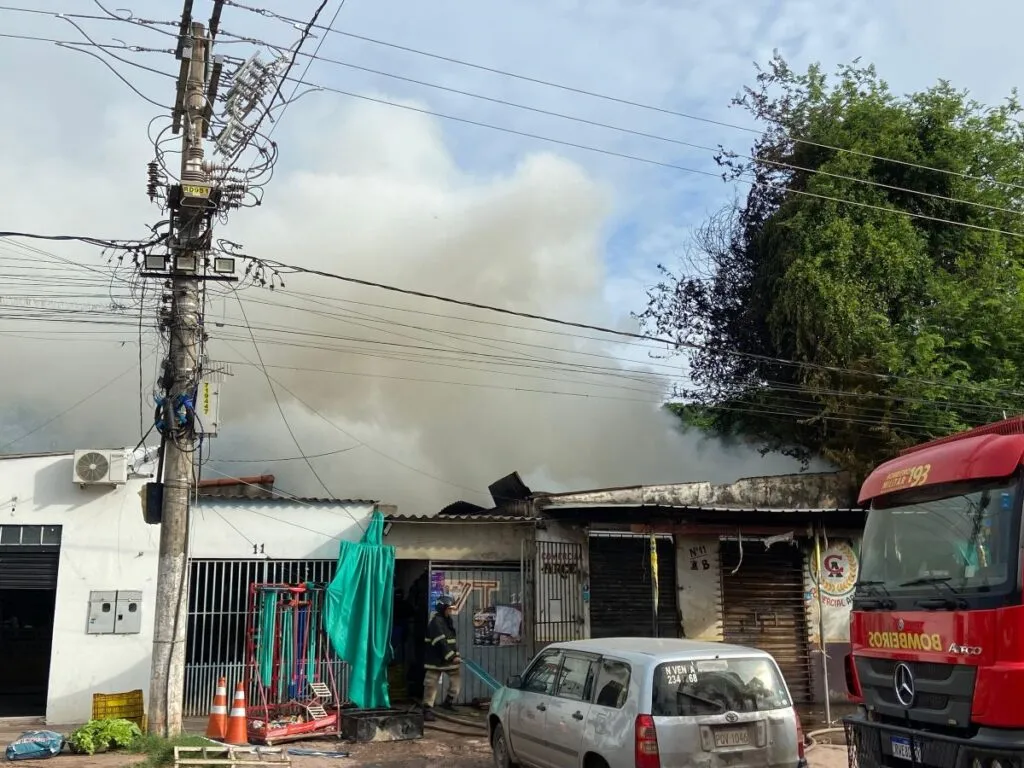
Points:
(416, 402)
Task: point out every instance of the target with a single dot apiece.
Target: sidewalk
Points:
(434, 750)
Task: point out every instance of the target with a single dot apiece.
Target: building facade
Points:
(769, 562)
(78, 570)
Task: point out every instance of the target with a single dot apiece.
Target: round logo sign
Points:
(838, 569)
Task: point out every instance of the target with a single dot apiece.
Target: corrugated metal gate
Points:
(479, 590)
(218, 605)
(763, 606)
(620, 586)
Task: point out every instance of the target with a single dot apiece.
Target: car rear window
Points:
(714, 686)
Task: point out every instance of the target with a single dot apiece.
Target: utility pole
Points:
(188, 246)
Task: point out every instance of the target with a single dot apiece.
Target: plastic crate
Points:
(120, 706)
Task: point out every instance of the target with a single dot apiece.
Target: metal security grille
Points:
(763, 607)
(621, 599)
(559, 613)
(218, 606)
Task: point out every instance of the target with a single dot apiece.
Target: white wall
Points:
(280, 529)
(699, 581)
(469, 540)
(106, 545)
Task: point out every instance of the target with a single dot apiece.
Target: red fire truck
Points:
(937, 628)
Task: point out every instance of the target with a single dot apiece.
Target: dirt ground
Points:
(435, 750)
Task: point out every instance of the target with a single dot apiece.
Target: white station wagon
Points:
(646, 703)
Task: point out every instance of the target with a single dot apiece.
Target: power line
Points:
(276, 459)
(617, 100)
(280, 408)
(644, 134)
(305, 71)
(286, 497)
(651, 161)
(277, 90)
(664, 164)
(70, 408)
(290, 268)
(348, 434)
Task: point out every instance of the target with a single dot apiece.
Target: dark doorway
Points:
(29, 561)
(26, 634)
(412, 592)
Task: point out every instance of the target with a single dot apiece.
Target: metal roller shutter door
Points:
(26, 567)
(763, 606)
(620, 587)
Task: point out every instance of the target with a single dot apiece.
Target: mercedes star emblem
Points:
(903, 682)
(731, 717)
(899, 625)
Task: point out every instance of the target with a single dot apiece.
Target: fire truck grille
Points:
(941, 699)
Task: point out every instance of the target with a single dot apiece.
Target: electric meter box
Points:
(128, 616)
(115, 613)
(101, 613)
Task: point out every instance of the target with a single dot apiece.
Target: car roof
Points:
(659, 648)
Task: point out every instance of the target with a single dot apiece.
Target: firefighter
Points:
(442, 655)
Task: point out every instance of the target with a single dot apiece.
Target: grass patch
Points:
(159, 751)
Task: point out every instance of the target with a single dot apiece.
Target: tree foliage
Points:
(820, 318)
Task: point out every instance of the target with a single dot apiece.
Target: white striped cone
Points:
(237, 726)
(218, 722)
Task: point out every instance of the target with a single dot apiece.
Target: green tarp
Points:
(357, 615)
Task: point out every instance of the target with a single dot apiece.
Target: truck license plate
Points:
(902, 750)
(736, 737)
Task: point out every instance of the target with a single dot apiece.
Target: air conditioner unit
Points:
(95, 466)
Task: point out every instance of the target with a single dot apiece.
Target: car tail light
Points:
(646, 743)
(852, 681)
(799, 736)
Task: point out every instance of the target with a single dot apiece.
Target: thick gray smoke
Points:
(435, 406)
(433, 401)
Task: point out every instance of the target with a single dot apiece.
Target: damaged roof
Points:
(805, 492)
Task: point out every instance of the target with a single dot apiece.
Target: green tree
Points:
(820, 318)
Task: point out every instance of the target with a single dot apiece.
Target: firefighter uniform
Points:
(441, 657)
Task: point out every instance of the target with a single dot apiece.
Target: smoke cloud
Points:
(415, 402)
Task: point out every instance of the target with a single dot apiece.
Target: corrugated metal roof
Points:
(281, 500)
(555, 507)
(40, 455)
(424, 518)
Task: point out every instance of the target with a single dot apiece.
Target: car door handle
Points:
(577, 716)
(542, 708)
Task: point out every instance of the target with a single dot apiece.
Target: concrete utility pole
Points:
(180, 380)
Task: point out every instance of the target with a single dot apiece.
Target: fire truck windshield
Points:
(952, 543)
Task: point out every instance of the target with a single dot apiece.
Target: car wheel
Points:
(499, 748)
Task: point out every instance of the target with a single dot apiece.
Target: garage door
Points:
(620, 587)
(763, 607)
(29, 556)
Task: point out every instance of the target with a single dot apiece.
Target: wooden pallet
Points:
(228, 755)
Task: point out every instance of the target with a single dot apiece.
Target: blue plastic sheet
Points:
(35, 745)
(357, 615)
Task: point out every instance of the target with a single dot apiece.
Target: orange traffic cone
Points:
(217, 727)
(237, 732)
